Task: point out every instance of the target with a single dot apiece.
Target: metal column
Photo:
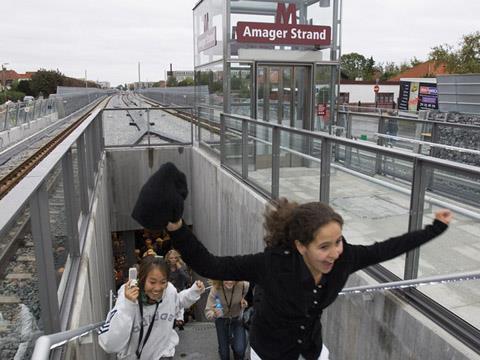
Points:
(415, 220)
(47, 281)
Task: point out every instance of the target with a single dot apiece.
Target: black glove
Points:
(161, 198)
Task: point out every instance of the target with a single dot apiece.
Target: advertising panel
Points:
(416, 96)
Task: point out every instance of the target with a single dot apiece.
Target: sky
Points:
(108, 38)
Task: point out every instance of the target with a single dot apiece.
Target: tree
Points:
(466, 59)
(46, 82)
(355, 65)
(24, 86)
(172, 81)
(186, 82)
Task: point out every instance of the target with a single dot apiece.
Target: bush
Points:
(11, 95)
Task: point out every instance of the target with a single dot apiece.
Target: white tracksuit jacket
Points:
(121, 330)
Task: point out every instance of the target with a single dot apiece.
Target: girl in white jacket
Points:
(140, 326)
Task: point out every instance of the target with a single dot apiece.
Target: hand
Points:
(200, 286)
(150, 252)
(217, 312)
(243, 303)
(444, 215)
(174, 226)
(131, 292)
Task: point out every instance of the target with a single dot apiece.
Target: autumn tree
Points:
(463, 60)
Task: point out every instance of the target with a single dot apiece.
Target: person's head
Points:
(219, 284)
(153, 277)
(148, 242)
(173, 257)
(313, 229)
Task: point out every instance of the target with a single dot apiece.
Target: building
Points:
(7, 77)
(180, 75)
(104, 84)
(427, 69)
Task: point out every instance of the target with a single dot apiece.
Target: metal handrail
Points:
(399, 154)
(403, 284)
(46, 343)
(386, 116)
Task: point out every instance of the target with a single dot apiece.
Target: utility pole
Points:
(86, 79)
(4, 83)
(139, 74)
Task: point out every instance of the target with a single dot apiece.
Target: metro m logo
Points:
(285, 14)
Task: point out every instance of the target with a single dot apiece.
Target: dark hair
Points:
(147, 264)
(287, 221)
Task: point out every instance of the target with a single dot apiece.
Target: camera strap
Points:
(150, 327)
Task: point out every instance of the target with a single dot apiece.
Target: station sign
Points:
(284, 30)
(208, 38)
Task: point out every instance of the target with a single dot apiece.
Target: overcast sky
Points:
(109, 37)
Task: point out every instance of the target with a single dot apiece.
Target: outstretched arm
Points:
(242, 267)
(364, 256)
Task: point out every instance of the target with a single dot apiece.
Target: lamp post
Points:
(4, 83)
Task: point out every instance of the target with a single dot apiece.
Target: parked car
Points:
(28, 98)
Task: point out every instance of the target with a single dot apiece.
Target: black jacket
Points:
(287, 320)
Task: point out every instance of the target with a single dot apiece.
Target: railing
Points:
(365, 126)
(46, 343)
(15, 114)
(52, 207)
(353, 176)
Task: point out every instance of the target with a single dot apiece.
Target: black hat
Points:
(161, 198)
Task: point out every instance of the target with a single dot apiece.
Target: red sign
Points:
(284, 31)
(321, 109)
(376, 88)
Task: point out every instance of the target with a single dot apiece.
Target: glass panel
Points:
(302, 97)
(371, 209)
(262, 98)
(260, 166)
(322, 98)
(233, 144)
(208, 37)
(58, 228)
(299, 175)
(240, 89)
(20, 310)
(283, 95)
(208, 130)
(287, 96)
(209, 86)
(456, 250)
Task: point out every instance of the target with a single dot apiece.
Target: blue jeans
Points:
(231, 331)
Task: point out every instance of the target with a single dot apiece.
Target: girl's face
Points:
(172, 258)
(324, 250)
(229, 284)
(155, 283)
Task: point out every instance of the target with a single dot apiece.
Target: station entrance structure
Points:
(272, 61)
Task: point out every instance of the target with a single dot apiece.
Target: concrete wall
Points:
(17, 133)
(95, 279)
(129, 169)
(227, 215)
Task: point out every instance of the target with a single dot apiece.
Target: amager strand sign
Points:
(284, 31)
